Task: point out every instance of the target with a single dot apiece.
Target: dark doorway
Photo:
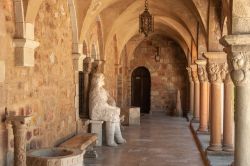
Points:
(81, 95)
(141, 87)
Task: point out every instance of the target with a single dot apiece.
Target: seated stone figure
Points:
(103, 107)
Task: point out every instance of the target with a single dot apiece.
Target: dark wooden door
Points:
(141, 87)
(81, 95)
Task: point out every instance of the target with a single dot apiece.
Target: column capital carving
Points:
(202, 73)
(238, 49)
(189, 74)
(87, 65)
(18, 120)
(217, 67)
(194, 71)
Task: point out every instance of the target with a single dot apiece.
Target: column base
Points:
(214, 148)
(228, 148)
(195, 120)
(202, 131)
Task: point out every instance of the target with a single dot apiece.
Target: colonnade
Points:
(215, 116)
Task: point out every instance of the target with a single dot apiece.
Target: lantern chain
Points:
(146, 4)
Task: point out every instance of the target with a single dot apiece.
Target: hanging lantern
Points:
(158, 54)
(146, 21)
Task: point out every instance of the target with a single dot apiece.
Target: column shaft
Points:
(228, 123)
(215, 137)
(191, 97)
(19, 144)
(204, 108)
(242, 127)
(196, 101)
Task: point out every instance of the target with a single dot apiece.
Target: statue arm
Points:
(111, 100)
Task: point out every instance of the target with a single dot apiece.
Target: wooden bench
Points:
(84, 142)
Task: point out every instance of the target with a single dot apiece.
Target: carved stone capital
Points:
(189, 74)
(87, 65)
(238, 49)
(194, 71)
(202, 73)
(217, 67)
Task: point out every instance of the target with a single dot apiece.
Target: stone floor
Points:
(213, 159)
(158, 141)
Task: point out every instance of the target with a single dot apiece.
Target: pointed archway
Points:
(141, 88)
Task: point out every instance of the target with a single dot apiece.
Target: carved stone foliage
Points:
(195, 76)
(202, 74)
(240, 64)
(189, 74)
(20, 145)
(217, 71)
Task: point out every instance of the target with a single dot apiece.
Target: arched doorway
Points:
(141, 88)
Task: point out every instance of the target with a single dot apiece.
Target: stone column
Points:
(19, 124)
(216, 69)
(228, 123)
(87, 66)
(196, 115)
(202, 74)
(238, 51)
(191, 91)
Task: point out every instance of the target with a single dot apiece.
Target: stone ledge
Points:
(210, 158)
(24, 52)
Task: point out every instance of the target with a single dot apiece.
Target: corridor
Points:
(159, 141)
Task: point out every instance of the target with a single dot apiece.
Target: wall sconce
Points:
(157, 54)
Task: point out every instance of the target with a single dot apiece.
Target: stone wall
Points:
(167, 76)
(6, 52)
(45, 90)
(110, 71)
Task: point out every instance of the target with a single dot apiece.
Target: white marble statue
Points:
(103, 107)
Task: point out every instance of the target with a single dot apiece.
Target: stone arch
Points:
(85, 48)
(94, 53)
(24, 32)
(74, 25)
(32, 10)
(100, 37)
(129, 81)
(19, 15)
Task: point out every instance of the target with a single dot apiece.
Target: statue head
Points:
(97, 80)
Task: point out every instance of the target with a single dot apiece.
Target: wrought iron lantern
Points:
(146, 21)
(157, 54)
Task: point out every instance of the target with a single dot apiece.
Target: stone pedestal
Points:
(19, 124)
(238, 51)
(217, 68)
(196, 114)
(203, 128)
(96, 127)
(131, 116)
(134, 116)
